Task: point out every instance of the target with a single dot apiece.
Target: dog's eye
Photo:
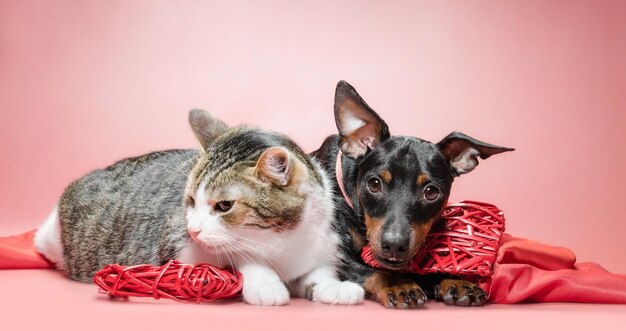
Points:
(374, 184)
(224, 206)
(431, 193)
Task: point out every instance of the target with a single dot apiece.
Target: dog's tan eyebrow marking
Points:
(386, 176)
(422, 179)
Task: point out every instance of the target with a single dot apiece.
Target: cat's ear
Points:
(275, 165)
(205, 126)
(462, 151)
(360, 128)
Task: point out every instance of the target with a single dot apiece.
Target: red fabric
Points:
(18, 252)
(529, 271)
(525, 271)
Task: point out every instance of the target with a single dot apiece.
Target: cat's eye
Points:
(374, 185)
(224, 206)
(431, 193)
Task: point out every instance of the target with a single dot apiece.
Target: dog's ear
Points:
(205, 126)
(360, 128)
(462, 151)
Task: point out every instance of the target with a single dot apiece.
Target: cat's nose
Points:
(193, 234)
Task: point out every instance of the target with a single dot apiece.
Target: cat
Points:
(250, 199)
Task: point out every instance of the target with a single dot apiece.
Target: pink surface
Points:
(34, 299)
(524, 271)
(84, 83)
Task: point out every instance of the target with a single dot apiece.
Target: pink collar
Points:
(339, 177)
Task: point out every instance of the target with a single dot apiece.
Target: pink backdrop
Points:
(84, 83)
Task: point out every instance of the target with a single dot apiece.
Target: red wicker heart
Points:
(173, 280)
(467, 244)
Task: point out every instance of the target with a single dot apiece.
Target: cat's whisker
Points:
(253, 247)
(243, 255)
(263, 244)
(231, 258)
(240, 248)
(259, 242)
(220, 248)
(258, 252)
(233, 261)
(243, 251)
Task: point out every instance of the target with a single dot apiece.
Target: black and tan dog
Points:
(394, 189)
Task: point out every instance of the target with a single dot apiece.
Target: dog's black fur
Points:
(399, 185)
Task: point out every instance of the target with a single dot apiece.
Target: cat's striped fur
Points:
(251, 199)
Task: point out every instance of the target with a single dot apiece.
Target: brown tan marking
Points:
(278, 219)
(373, 229)
(422, 179)
(421, 230)
(357, 240)
(418, 235)
(386, 176)
(240, 215)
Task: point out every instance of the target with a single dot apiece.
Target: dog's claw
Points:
(460, 293)
(412, 296)
(392, 299)
(450, 297)
(421, 301)
(407, 298)
(480, 299)
(463, 301)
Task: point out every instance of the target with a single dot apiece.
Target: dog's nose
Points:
(394, 246)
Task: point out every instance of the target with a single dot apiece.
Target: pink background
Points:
(84, 83)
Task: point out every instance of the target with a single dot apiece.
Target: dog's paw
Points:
(338, 293)
(407, 295)
(270, 293)
(395, 292)
(456, 292)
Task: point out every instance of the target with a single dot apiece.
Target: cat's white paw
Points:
(338, 293)
(270, 293)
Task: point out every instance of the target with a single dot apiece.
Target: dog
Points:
(391, 191)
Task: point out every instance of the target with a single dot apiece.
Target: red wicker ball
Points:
(174, 280)
(466, 244)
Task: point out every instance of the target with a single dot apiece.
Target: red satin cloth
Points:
(530, 271)
(18, 252)
(525, 271)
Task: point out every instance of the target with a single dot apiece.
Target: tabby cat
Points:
(250, 199)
